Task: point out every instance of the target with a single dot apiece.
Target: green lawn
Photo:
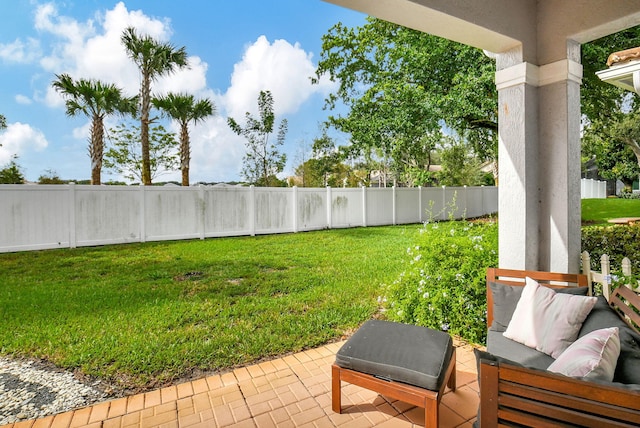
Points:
(598, 211)
(142, 315)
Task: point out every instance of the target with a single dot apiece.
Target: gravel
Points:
(30, 390)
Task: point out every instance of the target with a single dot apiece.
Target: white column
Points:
(539, 163)
(560, 212)
(518, 163)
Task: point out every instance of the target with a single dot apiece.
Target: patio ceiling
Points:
(500, 25)
(537, 47)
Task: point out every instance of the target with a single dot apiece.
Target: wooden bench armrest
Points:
(513, 395)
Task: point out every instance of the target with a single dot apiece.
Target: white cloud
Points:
(19, 138)
(92, 49)
(20, 52)
(23, 99)
(280, 67)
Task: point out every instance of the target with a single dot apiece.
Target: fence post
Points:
(605, 267)
(252, 210)
(444, 203)
(364, 206)
(394, 206)
(626, 266)
(203, 211)
(72, 216)
(329, 208)
(143, 214)
(420, 204)
(586, 270)
(295, 209)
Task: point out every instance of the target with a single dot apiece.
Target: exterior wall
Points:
(52, 216)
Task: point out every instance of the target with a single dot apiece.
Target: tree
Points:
(3, 122)
(125, 157)
(263, 161)
(401, 85)
(11, 173)
(50, 176)
(154, 59)
(95, 100)
(185, 108)
(459, 167)
(614, 144)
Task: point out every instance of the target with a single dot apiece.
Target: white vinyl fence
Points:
(593, 189)
(59, 216)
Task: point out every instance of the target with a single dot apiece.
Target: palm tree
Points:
(95, 100)
(184, 108)
(154, 59)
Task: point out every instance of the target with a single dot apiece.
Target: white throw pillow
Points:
(593, 356)
(546, 320)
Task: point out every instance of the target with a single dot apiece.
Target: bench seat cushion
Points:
(404, 353)
(508, 349)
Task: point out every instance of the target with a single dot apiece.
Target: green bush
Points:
(616, 241)
(443, 283)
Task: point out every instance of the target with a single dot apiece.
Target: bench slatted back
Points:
(517, 277)
(627, 303)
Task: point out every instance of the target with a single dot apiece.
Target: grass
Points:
(143, 315)
(598, 211)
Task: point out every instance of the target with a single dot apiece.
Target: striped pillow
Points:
(593, 356)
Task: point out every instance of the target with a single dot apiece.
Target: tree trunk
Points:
(144, 128)
(185, 153)
(96, 149)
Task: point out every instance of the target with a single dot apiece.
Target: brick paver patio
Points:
(293, 391)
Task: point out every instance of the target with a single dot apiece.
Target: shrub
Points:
(616, 241)
(443, 284)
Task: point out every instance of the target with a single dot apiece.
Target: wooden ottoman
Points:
(400, 361)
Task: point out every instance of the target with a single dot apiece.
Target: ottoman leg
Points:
(336, 395)
(452, 377)
(431, 414)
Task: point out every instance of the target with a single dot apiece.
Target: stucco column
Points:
(560, 208)
(518, 162)
(539, 162)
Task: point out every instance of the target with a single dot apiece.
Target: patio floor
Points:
(293, 391)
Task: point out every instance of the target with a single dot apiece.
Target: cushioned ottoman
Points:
(400, 361)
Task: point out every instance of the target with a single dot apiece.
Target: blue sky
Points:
(236, 49)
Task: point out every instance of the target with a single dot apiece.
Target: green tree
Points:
(3, 122)
(614, 146)
(263, 160)
(95, 100)
(401, 85)
(184, 109)
(125, 155)
(154, 59)
(610, 114)
(11, 173)
(459, 167)
(50, 176)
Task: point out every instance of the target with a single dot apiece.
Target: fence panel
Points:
(106, 215)
(311, 209)
(408, 208)
(172, 213)
(590, 189)
(33, 218)
(346, 208)
(273, 210)
(380, 206)
(228, 211)
(55, 216)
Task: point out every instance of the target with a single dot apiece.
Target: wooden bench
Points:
(511, 395)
